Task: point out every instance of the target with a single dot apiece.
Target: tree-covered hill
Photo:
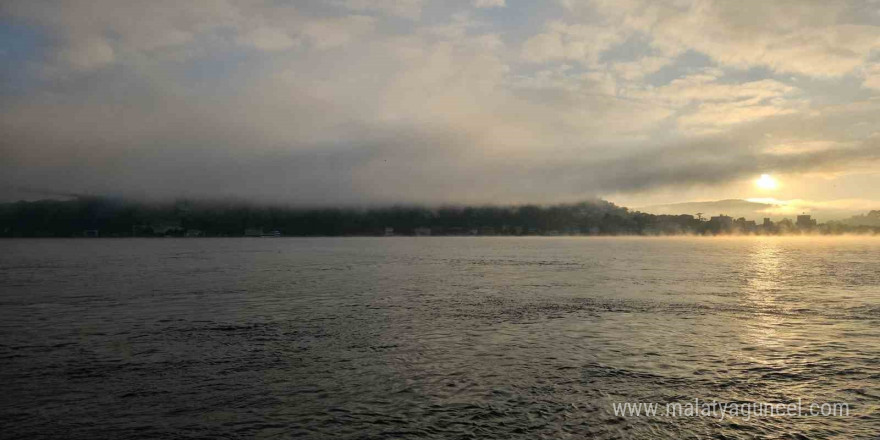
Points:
(107, 217)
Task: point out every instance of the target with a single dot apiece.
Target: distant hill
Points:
(870, 219)
(106, 217)
(733, 207)
(756, 210)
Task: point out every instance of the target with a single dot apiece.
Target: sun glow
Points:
(766, 182)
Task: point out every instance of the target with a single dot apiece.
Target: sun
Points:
(766, 182)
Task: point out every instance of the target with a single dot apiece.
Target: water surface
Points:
(434, 337)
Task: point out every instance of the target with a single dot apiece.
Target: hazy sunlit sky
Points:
(436, 101)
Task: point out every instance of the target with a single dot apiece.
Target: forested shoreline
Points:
(107, 217)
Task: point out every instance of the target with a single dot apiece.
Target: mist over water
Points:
(435, 337)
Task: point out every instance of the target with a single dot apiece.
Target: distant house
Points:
(767, 227)
(166, 228)
(422, 231)
(194, 233)
(721, 223)
(253, 232)
(273, 233)
(805, 222)
(722, 220)
(389, 231)
(93, 233)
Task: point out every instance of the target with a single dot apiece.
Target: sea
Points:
(440, 337)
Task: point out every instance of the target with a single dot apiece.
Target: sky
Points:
(362, 102)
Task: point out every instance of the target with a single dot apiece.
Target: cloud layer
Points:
(374, 101)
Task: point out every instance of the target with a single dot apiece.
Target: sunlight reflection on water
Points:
(434, 337)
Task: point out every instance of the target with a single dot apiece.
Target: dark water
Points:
(434, 337)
